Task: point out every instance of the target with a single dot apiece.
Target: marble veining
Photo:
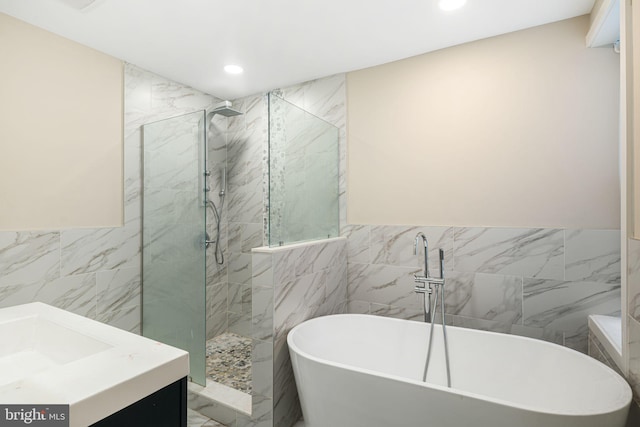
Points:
(295, 299)
(291, 285)
(597, 351)
(564, 306)
(194, 419)
(128, 319)
(484, 296)
(393, 245)
(633, 278)
(262, 312)
(383, 284)
(633, 331)
(239, 268)
(540, 283)
(358, 242)
(262, 362)
(91, 250)
(169, 97)
(592, 255)
(29, 257)
(117, 289)
(388, 311)
(534, 252)
(216, 309)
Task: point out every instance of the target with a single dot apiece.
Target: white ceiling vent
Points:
(81, 4)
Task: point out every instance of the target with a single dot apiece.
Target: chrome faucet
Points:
(439, 282)
(425, 282)
(422, 281)
(426, 251)
(425, 287)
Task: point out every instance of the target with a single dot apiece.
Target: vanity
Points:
(106, 376)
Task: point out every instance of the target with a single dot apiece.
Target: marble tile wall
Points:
(291, 284)
(96, 272)
(246, 147)
(598, 352)
(535, 282)
(217, 284)
(633, 315)
(246, 212)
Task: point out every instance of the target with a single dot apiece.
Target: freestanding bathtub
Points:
(366, 371)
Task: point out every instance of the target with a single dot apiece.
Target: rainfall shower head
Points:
(225, 109)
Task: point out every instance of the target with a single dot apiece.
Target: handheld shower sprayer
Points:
(223, 181)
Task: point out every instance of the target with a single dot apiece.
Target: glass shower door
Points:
(173, 230)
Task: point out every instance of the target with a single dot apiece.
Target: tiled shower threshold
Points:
(227, 396)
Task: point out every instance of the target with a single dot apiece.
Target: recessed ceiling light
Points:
(448, 5)
(233, 69)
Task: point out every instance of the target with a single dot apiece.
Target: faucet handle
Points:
(420, 279)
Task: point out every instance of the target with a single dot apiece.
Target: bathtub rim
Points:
(293, 347)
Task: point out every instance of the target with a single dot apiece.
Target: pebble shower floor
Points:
(229, 361)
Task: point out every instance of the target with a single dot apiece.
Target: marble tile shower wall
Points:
(247, 205)
(96, 272)
(246, 148)
(536, 282)
(633, 315)
(291, 285)
(217, 290)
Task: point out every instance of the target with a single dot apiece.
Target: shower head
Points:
(225, 109)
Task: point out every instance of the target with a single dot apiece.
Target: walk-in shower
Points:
(204, 185)
(224, 109)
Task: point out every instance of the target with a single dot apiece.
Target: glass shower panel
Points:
(303, 175)
(173, 229)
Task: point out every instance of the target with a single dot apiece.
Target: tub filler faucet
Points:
(425, 282)
(425, 286)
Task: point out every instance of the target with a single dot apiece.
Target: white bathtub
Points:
(359, 370)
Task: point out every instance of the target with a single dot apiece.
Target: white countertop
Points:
(51, 356)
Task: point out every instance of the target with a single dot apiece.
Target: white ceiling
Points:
(278, 42)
